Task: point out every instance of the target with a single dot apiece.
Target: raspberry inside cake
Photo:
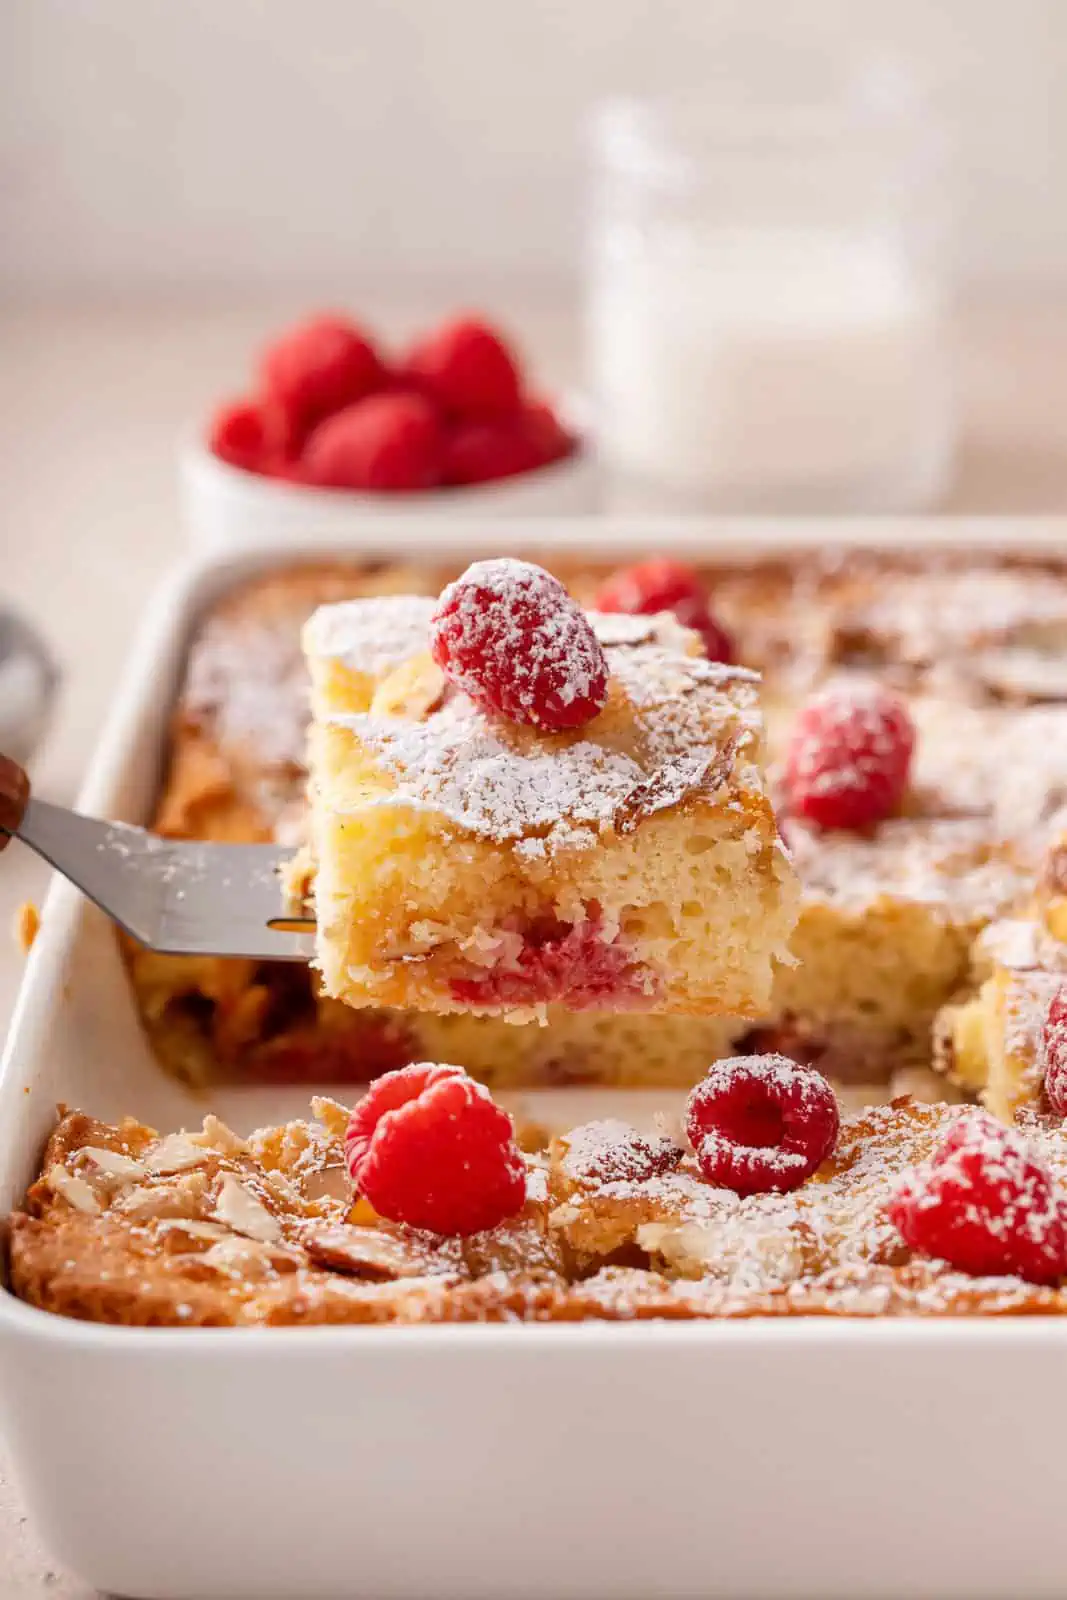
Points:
(464, 862)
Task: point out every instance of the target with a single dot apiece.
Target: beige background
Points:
(144, 142)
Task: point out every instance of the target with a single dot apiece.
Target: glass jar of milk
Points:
(766, 295)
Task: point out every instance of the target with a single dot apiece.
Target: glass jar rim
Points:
(873, 102)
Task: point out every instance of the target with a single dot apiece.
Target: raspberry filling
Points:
(761, 1124)
(1054, 1050)
(429, 1147)
(986, 1203)
(848, 757)
(555, 961)
(509, 635)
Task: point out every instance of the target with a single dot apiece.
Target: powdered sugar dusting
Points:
(247, 679)
(676, 722)
(371, 635)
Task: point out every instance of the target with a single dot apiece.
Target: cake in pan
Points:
(975, 646)
(210, 1229)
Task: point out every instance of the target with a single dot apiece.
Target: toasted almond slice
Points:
(242, 1212)
(175, 1153)
(74, 1190)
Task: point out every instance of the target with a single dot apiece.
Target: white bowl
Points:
(226, 508)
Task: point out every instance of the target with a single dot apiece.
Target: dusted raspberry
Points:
(479, 452)
(761, 1124)
(663, 584)
(467, 369)
(319, 367)
(1054, 1049)
(509, 635)
(427, 1146)
(848, 757)
(986, 1204)
(250, 435)
(386, 442)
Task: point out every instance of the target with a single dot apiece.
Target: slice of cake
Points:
(557, 809)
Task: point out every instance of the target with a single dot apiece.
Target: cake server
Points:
(182, 897)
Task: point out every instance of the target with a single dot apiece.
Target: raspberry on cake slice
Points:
(515, 804)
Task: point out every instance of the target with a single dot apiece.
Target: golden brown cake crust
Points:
(212, 1230)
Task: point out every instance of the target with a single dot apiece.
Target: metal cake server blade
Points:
(177, 896)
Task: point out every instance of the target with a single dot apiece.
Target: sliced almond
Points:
(175, 1153)
(112, 1162)
(74, 1190)
(241, 1211)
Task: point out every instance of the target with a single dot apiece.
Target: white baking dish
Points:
(744, 1459)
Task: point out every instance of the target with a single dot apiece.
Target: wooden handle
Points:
(14, 793)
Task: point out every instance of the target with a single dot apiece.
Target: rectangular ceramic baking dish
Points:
(747, 1459)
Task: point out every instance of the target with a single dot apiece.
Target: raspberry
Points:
(250, 435)
(986, 1204)
(319, 367)
(575, 966)
(761, 1123)
(479, 452)
(386, 442)
(847, 761)
(509, 635)
(1054, 1051)
(427, 1146)
(666, 585)
(466, 369)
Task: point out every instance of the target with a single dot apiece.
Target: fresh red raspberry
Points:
(250, 435)
(551, 440)
(848, 757)
(466, 368)
(480, 452)
(509, 635)
(761, 1124)
(1054, 1050)
(319, 367)
(388, 442)
(427, 1146)
(663, 584)
(985, 1203)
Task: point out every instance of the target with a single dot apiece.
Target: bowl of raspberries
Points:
(336, 428)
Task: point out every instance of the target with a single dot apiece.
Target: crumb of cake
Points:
(27, 925)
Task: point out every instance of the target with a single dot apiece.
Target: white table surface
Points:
(91, 400)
